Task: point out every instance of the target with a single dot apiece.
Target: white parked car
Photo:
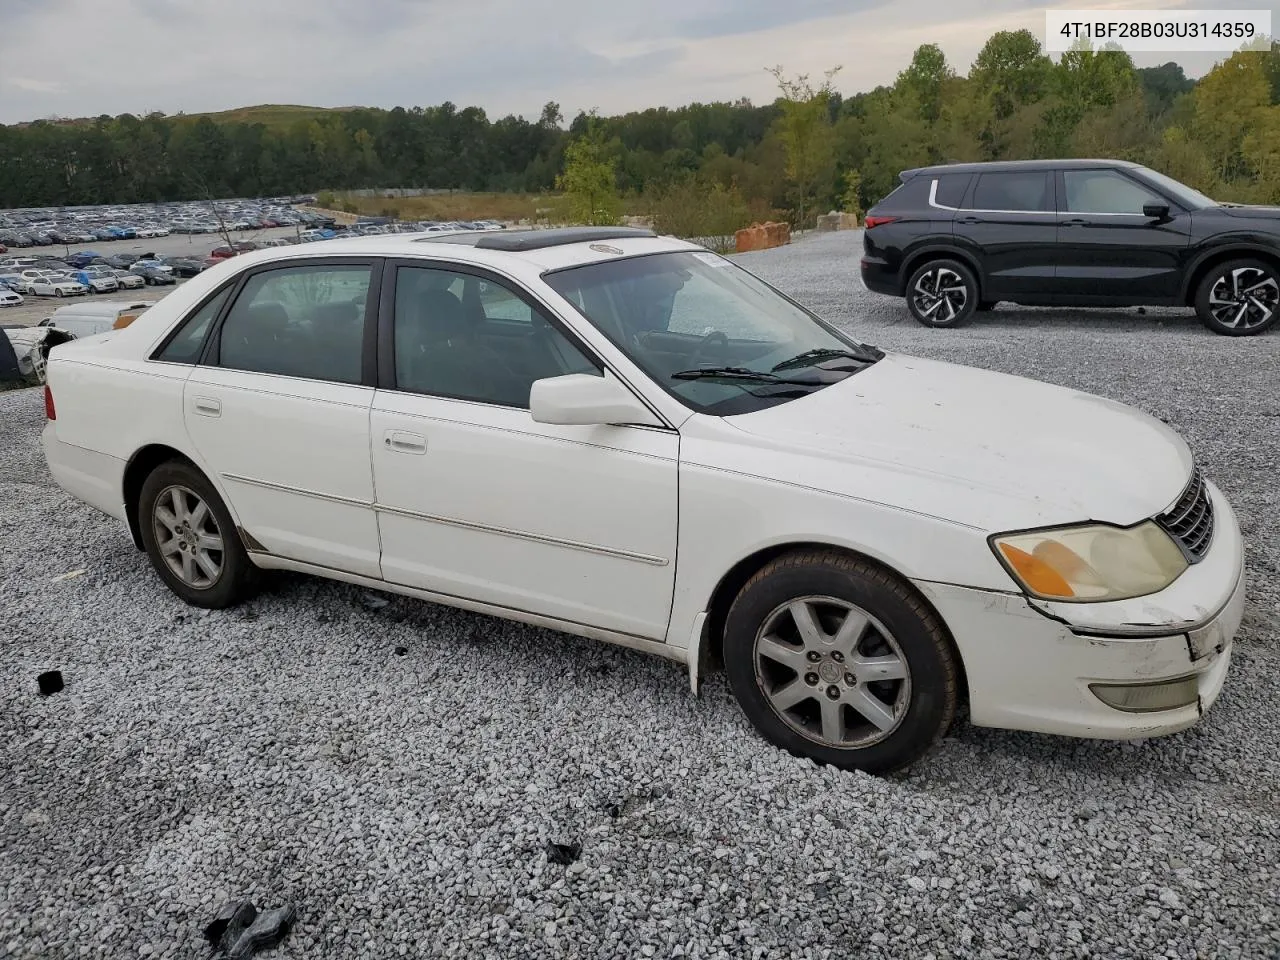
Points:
(10, 298)
(631, 438)
(127, 280)
(50, 284)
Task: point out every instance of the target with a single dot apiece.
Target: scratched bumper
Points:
(1031, 668)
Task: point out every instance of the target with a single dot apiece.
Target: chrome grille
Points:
(1190, 520)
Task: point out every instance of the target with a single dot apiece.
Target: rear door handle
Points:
(972, 220)
(207, 406)
(401, 441)
(1077, 222)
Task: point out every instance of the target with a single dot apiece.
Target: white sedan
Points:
(631, 438)
(127, 280)
(56, 285)
(10, 298)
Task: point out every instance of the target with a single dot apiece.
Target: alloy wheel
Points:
(188, 537)
(1245, 298)
(832, 672)
(940, 295)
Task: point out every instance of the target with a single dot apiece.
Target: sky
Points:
(78, 58)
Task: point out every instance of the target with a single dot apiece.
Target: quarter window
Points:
(187, 342)
(951, 188)
(472, 338)
(299, 322)
(1014, 191)
(1105, 191)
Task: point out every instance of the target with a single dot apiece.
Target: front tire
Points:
(191, 539)
(836, 659)
(942, 293)
(1239, 298)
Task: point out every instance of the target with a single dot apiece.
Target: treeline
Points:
(810, 150)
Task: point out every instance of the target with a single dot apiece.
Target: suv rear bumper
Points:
(879, 277)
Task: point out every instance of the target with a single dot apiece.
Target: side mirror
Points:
(583, 399)
(1156, 211)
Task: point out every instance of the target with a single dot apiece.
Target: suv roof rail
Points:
(519, 240)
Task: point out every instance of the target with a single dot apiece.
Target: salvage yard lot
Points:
(395, 769)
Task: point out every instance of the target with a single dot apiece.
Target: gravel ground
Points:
(403, 800)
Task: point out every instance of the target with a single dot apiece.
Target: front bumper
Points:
(1031, 667)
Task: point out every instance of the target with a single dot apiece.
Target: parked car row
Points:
(67, 225)
(82, 274)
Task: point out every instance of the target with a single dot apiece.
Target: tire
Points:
(767, 660)
(986, 306)
(57, 292)
(959, 293)
(1239, 298)
(236, 579)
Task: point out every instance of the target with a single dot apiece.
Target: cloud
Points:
(506, 56)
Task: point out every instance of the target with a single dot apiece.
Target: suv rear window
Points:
(1015, 190)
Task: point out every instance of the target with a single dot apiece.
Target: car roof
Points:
(560, 248)
(1009, 166)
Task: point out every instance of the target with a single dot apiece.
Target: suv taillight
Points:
(49, 411)
(870, 222)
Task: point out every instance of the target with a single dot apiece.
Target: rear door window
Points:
(1013, 191)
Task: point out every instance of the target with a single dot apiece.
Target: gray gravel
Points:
(284, 751)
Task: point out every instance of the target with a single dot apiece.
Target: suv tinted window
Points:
(299, 322)
(951, 188)
(186, 343)
(472, 338)
(1012, 191)
(1105, 191)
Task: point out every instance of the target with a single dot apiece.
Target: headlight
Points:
(1091, 563)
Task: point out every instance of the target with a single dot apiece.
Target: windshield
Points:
(1186, 196)
(711, 334)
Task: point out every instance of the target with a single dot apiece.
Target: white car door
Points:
(278, 410)
(476, 500)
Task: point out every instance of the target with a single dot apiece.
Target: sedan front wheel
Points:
(835, 659)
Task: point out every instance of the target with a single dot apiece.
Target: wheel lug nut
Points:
(833, 692)
(837, 656)
(811, 679)
(850, 679)
(813, 656)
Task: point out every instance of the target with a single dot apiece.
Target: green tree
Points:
(589, 180)
(805, 131)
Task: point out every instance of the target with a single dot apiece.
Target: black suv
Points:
(959, 238)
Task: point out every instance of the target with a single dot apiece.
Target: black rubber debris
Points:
(50, 682)
(401, 651)
(232, 920)
(268, 930)
(563, 853)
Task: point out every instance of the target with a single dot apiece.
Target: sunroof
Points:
(518, 240)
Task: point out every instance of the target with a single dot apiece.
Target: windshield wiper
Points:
(811, 357)
(739, 373)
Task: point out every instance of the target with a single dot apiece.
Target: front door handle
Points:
(401, 441)
(207, 406)
(972, 220)
(1077, 222)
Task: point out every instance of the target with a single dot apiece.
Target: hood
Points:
(1251, 212)
(990, 450)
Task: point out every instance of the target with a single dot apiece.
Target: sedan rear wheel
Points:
(1240, 298)
(942, 293)
(191, 539)
(835, 659)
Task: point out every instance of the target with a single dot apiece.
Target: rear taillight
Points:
(870, 222)
(49, 411)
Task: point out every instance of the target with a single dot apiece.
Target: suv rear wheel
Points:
(1239, 298)
(942, 293)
